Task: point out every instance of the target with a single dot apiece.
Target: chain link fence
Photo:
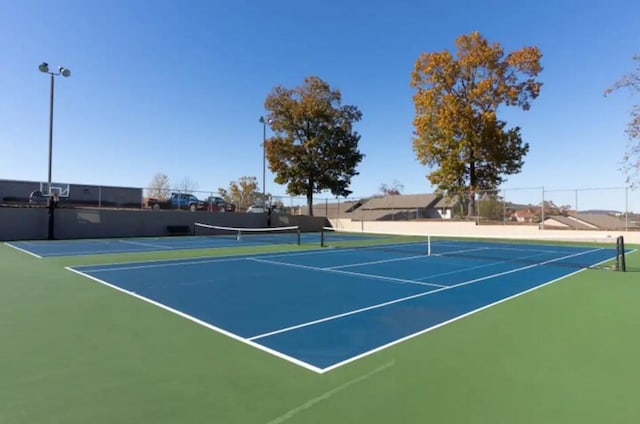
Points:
(576, 209)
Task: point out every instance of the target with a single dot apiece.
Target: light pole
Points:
(264, 156)
(44, 67)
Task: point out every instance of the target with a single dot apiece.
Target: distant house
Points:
(400, 207)
(445, 207)
(333, 210)
(408, 207)
(526, 215)
(587, 221)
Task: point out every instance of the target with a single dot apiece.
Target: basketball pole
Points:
(44, 67)
(52, 204)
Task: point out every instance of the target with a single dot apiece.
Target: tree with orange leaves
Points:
(631, 159)
(457, 130)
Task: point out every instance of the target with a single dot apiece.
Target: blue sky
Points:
(178, 86)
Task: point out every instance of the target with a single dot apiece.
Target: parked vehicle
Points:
(275, 209)
(256, 209)
(218, 204)
(178, 201)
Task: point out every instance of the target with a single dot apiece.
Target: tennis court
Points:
(325, 308)
(304, 333)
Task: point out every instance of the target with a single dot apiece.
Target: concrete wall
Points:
(98, 223)
(32, 223)
(23, 223)
(471, 229)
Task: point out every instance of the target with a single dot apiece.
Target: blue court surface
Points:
(48, 248)
(324, 308)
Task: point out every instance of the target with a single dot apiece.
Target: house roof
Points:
(447, 202)
(333, 210)
(402, 201)
(589, 221)
(567, 222)
(527, 213)
(602, 220)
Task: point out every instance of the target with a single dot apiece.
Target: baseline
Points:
(23, 250)
(201, 322)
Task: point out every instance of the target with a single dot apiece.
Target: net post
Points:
(322, 237)
(298, 235)
(428, 245)
(239, 235)
(617, 266)
(620, 256)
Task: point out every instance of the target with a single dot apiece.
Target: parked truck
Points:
(178, 201)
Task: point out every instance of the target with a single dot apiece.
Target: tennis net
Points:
(572, 251)
(401, 243)
(270, 235)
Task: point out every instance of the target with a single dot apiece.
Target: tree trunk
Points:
(472, 190)
(310, 202)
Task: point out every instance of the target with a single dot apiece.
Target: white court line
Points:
(383, 261)
(23, 250)
(105, 251)
(172, 262)
(338, 271)
(455, 252)
(139, 243)
(92, 252)
(311, 402)
(541, 252)
(158, 263)
(202, 323)
(500, 246)
(459, 271)
(415, 296)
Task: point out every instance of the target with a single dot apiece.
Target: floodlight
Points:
(44, 67)
(64, 71)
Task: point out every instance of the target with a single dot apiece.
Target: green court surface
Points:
(73, 351)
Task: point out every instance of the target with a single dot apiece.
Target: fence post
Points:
(626, 208)
(504, 206)
(542, 211)
(576, 209)
(99, 196)
(393, 218)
